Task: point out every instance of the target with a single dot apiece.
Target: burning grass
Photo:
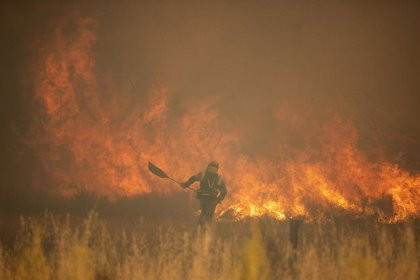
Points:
(289, 159)
(57, 247)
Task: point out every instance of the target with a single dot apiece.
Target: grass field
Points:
(64, 247)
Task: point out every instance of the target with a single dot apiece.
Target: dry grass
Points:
(59, 248)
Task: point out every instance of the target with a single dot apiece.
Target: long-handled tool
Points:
(160, 173)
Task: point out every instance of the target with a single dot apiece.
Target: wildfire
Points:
(87, 138)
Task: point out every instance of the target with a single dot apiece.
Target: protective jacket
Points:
(212, 186)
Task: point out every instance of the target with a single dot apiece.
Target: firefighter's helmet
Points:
(212, 167)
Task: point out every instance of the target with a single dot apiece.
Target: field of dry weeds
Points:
(64, 247)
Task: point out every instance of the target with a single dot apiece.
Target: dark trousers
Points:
(207, 207)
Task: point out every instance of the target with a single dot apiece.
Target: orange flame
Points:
(84, 139)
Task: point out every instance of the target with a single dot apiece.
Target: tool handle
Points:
(179, 183)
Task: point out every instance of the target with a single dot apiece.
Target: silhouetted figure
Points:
(211, 192)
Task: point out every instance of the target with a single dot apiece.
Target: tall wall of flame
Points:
(87, 137)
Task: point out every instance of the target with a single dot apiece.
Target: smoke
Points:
(302, 105)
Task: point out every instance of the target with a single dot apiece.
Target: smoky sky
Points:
(357, 58)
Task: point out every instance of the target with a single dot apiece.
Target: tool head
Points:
(157, 171)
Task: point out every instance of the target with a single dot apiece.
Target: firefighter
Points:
(211, 192)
